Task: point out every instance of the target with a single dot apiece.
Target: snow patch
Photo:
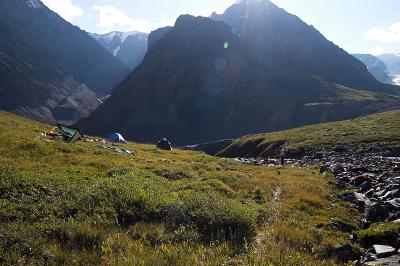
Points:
(396, 80)
(116, 50)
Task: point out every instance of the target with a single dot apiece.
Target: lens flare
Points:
(226, 45)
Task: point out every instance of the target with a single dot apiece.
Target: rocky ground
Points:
(373, 182)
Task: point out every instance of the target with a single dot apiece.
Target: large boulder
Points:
(383, 251)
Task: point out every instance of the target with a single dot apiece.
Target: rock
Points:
(377, 212)
(390, 195)
(358, 180)
(369, 193)
(361, 201)
(364, 187)
(336, 169)
(391, 261)
(395, 203)
(383, 251)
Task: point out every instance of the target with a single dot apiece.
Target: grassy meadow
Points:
(76, 204)
(378, 130)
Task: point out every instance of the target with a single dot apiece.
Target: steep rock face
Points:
(376, 67)
(287, 44)
(128, 47)
(202, 81)
(158, 34)
(45, 59)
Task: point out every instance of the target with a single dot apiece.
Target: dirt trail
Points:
(273, 215)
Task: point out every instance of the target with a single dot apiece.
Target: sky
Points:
(358, 26)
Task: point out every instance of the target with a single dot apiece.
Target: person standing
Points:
(283, 153)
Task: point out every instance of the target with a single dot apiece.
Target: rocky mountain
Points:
(376, 67)
(158, 34)
(255, 68)
(128, 47)
(50, 70)
(392, 61)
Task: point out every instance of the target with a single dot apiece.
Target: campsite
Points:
(76, 204)
(200, 132)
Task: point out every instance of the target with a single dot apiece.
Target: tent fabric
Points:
(116, 138)
(70, 134)
(164, 144)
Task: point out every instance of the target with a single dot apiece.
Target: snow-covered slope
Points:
(129, 47)
(393, 63)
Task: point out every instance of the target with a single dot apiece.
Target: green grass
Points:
(75, 204)
(378, 130)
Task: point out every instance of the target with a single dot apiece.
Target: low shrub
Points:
(172, 174)
(215, 216)
(381, 233)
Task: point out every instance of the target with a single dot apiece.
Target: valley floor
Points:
(77, 204)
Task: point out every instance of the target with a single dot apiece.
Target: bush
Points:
(119, 171)
(382, 233)
(216, 217)
(172, 174)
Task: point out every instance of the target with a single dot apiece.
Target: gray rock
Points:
(391, 261)
(377, 212)
(395, 203)
(383, 251)
(391, 194)
(361, 201)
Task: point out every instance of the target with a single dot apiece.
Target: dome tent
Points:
(116, 138)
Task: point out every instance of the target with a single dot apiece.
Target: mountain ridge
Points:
(128, 47)
(46, 59)
(198, 82)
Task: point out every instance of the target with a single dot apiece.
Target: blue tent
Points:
(116, 138)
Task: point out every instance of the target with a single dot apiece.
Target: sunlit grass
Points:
(77, 204)
(379, 129)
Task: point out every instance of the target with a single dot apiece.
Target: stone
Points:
(364, 187)
(361, 201)
(383, 251)
(358, 180)
(391, 261)
(395, 203)
(391, 194)
(377, 212)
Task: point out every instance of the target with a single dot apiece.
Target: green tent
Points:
(70, 134)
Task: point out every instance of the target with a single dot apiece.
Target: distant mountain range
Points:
(255, 68)
(385, 68)
(376, 67)
(392, 62)
(51, 70)
(128, 47)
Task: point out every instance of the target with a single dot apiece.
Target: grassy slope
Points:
(379, 129)
(77, 204)
(341, 94)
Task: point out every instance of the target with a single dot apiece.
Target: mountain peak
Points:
(34, 3)
(250, 5)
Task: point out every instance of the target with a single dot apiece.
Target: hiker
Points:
(283, 153)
